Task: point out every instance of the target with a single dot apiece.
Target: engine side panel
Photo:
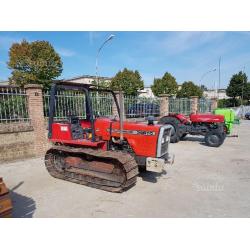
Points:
(141, 137)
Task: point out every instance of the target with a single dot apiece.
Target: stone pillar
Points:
(214, 103)
(35, 107)
(194, 104)
(164, 105)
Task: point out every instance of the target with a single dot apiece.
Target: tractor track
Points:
(72, 164)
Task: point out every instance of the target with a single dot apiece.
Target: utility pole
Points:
(219, 78)
(215, 94)
(242, 86)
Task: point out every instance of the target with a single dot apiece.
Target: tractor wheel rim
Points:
(214, 139)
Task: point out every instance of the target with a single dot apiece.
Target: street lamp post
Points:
(206, 73)
(242, 86)
(97, 57)
(219, 74)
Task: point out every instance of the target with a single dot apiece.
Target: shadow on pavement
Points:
(150, 176)
(23, 206)
(193, 138)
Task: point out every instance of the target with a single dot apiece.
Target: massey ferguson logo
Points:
(133, 132)
(141, 132)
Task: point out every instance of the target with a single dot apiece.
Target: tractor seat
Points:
(77, 132)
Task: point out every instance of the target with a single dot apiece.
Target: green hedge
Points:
(226, 103)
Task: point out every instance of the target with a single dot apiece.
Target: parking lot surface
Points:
(202, 182)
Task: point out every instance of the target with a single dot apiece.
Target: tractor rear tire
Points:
(214, 138)
(175, 123)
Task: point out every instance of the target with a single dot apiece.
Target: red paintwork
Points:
(182, 118)
(206, 118)
(199, 118)
(80, 142)
(142, 145)
(60, 131)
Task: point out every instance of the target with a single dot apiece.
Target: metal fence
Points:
(13, 105)
(180, 105)
(66, 103)
(139, 107)
(102, 103)
(74, 103)
(204, 105)
(14, 108)
(241, 111)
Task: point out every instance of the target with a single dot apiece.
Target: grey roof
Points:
(4, 82)
(87, 76)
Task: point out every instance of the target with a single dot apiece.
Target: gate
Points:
(204, 105)
(180, 105)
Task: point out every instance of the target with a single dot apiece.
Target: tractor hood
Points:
(106, 125)
(207, 118)
(141, 137)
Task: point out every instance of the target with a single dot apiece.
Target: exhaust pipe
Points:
(121, 104)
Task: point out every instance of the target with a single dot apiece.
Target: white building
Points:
(87, 79)
(212, 93)
(84, 79)
(4, 83)
(146, 92)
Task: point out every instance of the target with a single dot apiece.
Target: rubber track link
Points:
(122, 177)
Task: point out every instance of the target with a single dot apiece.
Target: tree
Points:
(34, 63)
(101, 83)
(227, 103)
(238, 82)
(189, 89)
(246, 92)
(165, 85)
(128, 81)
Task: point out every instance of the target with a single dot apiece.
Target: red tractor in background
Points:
(211, 126)
(101, 152)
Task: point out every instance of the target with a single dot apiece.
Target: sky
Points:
(188, 56)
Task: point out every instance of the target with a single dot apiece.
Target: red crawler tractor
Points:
(102, 152)
(211, 126)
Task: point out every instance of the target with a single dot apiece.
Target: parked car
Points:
(247, 115)
(142, 110)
